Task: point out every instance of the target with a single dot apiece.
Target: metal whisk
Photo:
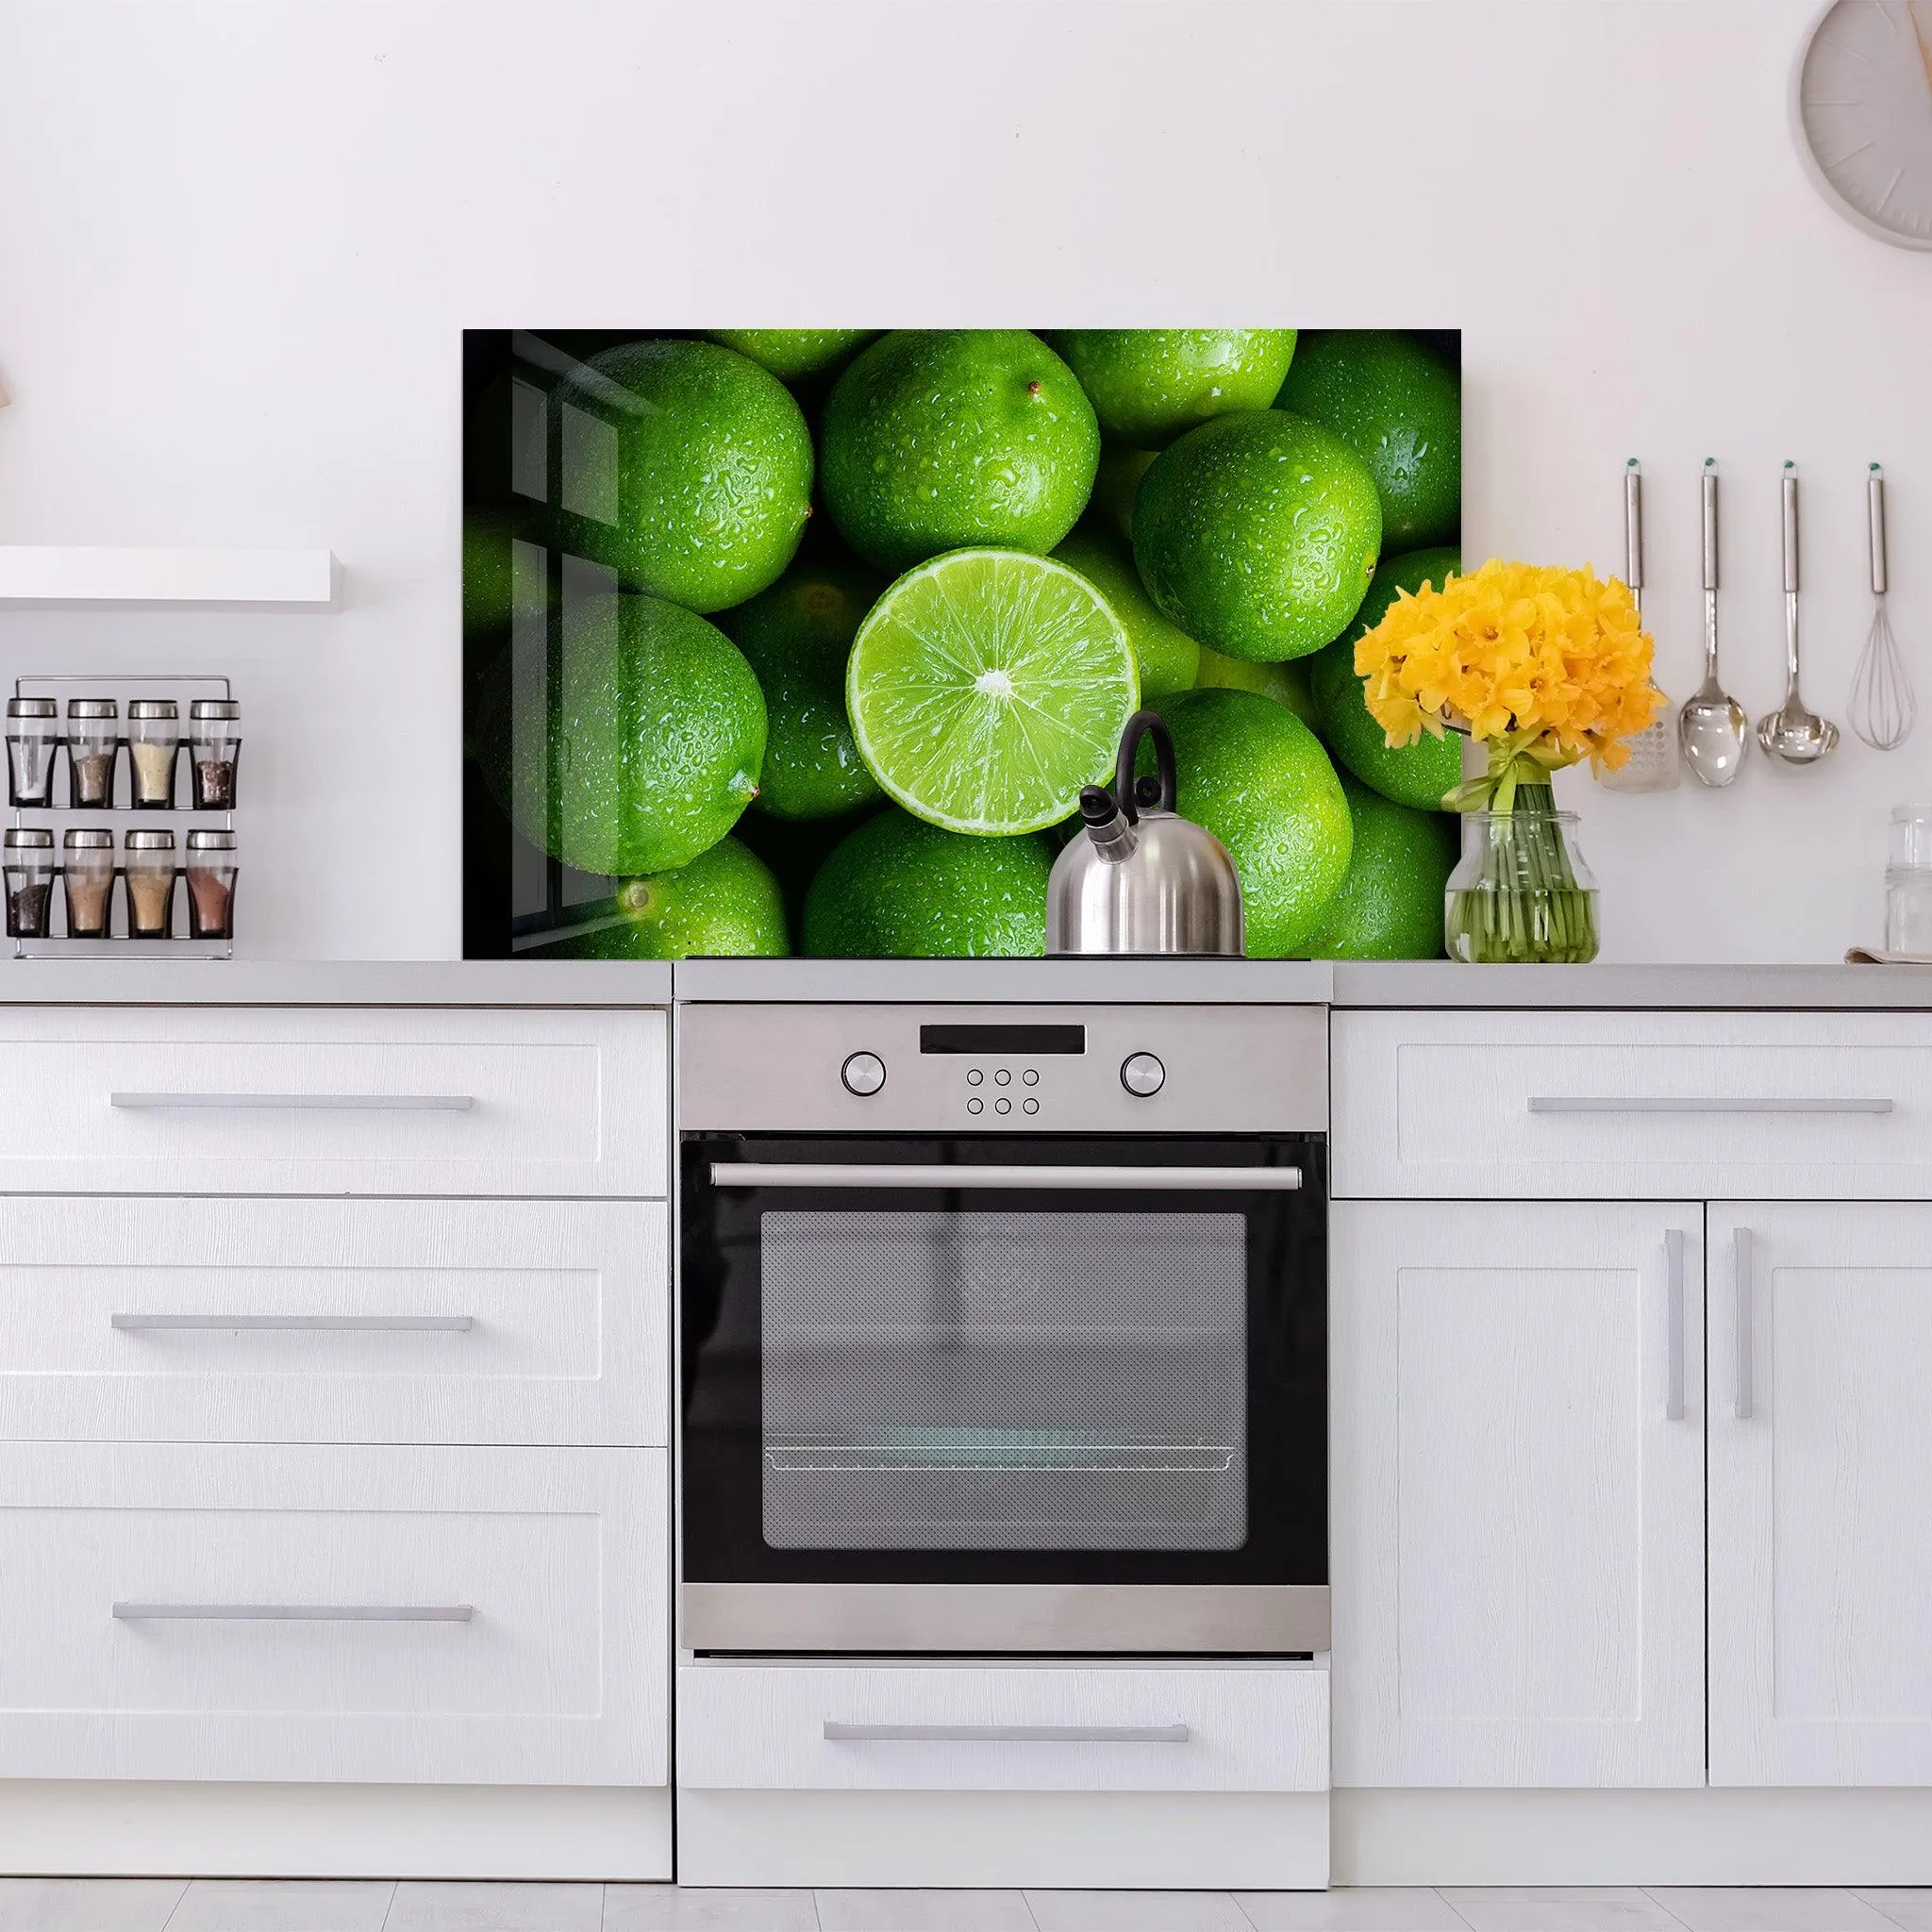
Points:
(1882, 705)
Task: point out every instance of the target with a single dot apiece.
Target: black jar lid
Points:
(32, 707)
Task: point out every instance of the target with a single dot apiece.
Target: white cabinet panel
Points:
(1821, 1495)
(1633, 1106)
(1518, 1512)
(527, 1641)
(1203, 1727)
(244, 1101)
(308, 1321)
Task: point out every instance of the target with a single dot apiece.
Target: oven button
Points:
(1003, 1078)
(974, 1077)
(973, 1105)
(1003, 1106)
(1141, 1074)
(863, 1073)
(1031, 1105)
(1031, 1076)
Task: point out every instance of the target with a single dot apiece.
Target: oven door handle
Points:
(805, 1174)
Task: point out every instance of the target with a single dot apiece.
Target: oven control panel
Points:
(946, 1069)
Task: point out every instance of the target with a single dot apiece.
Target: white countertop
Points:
(1421, 983)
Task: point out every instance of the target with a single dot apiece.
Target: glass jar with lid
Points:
(212, 864)
(148, 865)
(33, 736)
(154, 747)
(214, 747)
(87, 871)
(1909, 883)
(29, 872)
(94, 743)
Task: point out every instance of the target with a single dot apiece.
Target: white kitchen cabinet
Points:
(386, 1616)
(1518, 1493)
(203, 1320)
(1821, 1495)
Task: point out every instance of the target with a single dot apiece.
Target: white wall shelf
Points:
(86, 577)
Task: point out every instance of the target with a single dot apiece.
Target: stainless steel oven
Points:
(1004, 1329)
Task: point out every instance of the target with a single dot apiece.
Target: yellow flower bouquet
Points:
(1546, 667)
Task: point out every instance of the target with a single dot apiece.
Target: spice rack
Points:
(56, 758)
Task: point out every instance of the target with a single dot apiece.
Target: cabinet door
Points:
(1518, 1493)
(1821, 1495)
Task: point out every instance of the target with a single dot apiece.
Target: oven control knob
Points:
(1141, 1074)
(863, 1073)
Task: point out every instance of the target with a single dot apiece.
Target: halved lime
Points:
(987, 687)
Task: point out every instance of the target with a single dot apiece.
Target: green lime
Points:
(655, 729)
(901, 888)
(794, 354)
(987, 687)
(1148, 385)
(1257, 533)
(1413, 774)
(1165, 656)
(938, 438)
(1258, 780)
(488, 580)
(1286, 684)
(797, 635)
(1400, 410)
(687, 468)
(796, 848)
(1390, 904)
(1115, 486)
(724, 905)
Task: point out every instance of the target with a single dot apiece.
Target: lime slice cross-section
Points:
(987, 687)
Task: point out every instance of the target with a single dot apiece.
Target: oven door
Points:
(1004, 1393)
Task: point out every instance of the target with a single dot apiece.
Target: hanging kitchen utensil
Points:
(1136, 878)
(1882, 707)
(1794, 733)
(1651, 765)
(1713, 729)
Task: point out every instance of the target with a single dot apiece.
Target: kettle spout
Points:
(1112, 830)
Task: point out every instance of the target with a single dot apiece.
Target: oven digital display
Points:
(1003, 1040)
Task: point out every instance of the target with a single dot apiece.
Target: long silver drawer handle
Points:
(296, 1613)
(1741, 1267)
(1006, 1734)
(1573, 1103)
(441, 1324)
(805, 1174)
(325, 1103)
(1674, 1324)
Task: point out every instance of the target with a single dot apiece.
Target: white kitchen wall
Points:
(239, 242)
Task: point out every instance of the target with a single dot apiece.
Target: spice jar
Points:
(93, 737)
(86, 869)
(29, 870)
(153, 743)
(33, 734)
(211, 868)
(214, 745)
(148, 861)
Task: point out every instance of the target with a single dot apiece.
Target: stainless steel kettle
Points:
(1138, 880)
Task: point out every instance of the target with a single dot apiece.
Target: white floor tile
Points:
(1908, 1906)
(923, 1911)
(1767, 1908)
(705, 1909)
(88, 1905)
(1367, 1909)
(1559, 1909)
(284, 1905)
(424, 1906)
(1137, 1911)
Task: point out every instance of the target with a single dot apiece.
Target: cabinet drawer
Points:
(451, 1616)
(134, 1318)
(232, 1100)
(863, 1726)
(1660, 1105)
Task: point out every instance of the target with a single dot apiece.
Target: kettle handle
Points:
(1144, 723)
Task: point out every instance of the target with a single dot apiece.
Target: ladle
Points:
(1794, 733)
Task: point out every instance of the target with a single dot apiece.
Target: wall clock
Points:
(1862, 113)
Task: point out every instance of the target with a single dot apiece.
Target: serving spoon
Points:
(1794, 733)
(1711, 727)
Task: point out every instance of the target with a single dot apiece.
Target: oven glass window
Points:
(959, 1380)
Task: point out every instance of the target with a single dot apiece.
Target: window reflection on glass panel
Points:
(590, 674)
(529, 644)
(590, 465)
(529, 465)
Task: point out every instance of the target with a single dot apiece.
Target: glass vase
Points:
(1521, 894)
